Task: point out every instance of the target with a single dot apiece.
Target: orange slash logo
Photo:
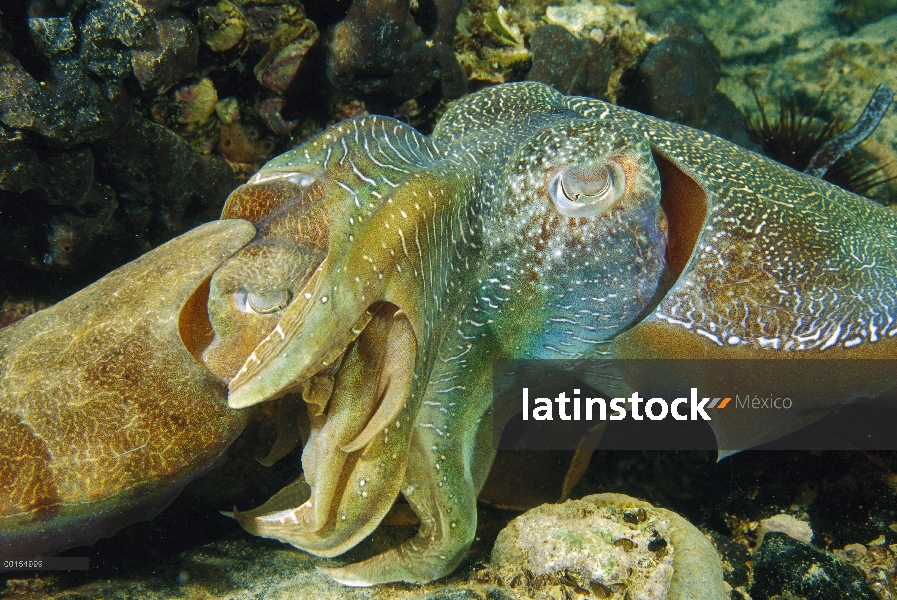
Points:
(716, 401)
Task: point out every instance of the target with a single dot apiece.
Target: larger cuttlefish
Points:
(389, 270)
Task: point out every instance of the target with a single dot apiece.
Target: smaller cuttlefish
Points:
(389, 270)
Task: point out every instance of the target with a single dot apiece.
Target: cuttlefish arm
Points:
(314, 277)
(105, 410)
(770, 263)
(488, 241)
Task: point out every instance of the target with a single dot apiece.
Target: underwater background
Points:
(124, 123)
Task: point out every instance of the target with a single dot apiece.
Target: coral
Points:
(379, 49)
(490, 44)
(613, 544)
(240, 142)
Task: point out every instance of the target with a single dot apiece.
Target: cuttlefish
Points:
(380, 273)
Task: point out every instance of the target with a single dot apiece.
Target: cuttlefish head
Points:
(325, 302)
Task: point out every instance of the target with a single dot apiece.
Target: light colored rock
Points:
(621, 544)
(787, 524)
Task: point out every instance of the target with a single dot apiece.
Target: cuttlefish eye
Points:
(586, 192)
(262, 304)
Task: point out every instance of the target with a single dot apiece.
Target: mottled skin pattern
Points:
(391, 269)
(456, 235)
(104, 414)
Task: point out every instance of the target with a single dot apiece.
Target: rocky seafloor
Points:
(124, 123)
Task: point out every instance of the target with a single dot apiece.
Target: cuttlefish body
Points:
(389, 270)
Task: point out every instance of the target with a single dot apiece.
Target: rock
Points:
(735, 560)
(857, 13)
(222, 26)
(682, 25)
(56, 210)
(379, 50)
(787, 524)
(67, 108)
(52, 35)
(610, 543)
(786, 567)
(676, 81)
(164, 186)
(167, 55)
(278, 68)
(752, 30)
(196, 102)
(569, 64)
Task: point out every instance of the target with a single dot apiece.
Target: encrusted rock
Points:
(197, 102)
(612, 544)
(278, 68)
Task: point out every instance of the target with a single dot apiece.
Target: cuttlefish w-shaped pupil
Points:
(578, 191)
(262, 303)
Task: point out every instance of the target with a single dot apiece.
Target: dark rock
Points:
(52, 35)
(675, 82)
(167, 55)
(676, 24)
(786, 567)
(569, 64)
(54, 209)
(138, 189)
(734, 557)
(68, 108)
(107, 31)
(554, 50)
(725, 120)
(5, 40)
(379, 49)
(164, 186)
